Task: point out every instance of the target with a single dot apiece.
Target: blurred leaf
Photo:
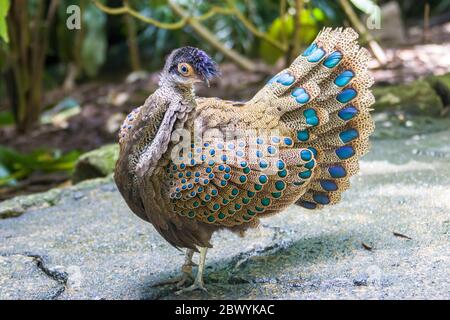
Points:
(4, 8)
(369, 7)
(6, 118)
(15, 165)
(94, 46)
(310, 23)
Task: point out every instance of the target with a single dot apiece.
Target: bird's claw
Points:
(177, 281)
(197, 285)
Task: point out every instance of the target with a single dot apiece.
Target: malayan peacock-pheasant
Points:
(191, 166)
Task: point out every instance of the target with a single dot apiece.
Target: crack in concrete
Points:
(41, 263)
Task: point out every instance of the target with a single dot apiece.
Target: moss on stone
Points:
(417, 98)
(96, 163)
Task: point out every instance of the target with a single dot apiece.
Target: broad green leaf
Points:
(15, 165)
(310, 23)
(4, 8)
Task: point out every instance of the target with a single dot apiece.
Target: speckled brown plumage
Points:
(297, 141)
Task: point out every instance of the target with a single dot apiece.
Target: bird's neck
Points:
(185, 92)
(172, 104)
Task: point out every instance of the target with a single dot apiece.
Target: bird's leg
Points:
(186, 270)
(198, 282)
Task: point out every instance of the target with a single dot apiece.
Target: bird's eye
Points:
(185, 69)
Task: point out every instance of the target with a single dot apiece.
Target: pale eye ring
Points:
(185, 69)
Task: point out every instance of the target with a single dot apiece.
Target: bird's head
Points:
(188, 65)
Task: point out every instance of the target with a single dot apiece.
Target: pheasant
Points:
(191, 166)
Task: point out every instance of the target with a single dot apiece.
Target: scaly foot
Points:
(177, 281)
(185, 276)
(197, 285)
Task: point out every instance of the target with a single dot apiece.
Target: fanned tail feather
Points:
(323, 98)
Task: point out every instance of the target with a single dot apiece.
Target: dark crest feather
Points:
(198, 59)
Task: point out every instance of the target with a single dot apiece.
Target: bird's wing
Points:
(298, 139)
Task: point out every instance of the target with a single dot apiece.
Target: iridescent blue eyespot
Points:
(314, 151)
(345, 152)
(347, 113)
(310, 165)
(337, 171)
(333, 59)
(265, 202)
(263, 164)
(286, 79)
(317, 55)
(302, 135)
(288, 141)
(271, 149)
(280, 185)
(346, 95)
(344, 78)
(328, 185)
(321, 198)
(263, 179)
(307, 204)
(306, 155)
(312, 47)
(282, 173)
(301, 96)
(305, 174)
(280, 165)
(348, 135)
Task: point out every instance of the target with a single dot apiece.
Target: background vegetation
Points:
(40, 55)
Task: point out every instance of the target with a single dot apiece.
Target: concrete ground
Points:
(387, 239)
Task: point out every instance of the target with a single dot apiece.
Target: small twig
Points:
(377, 51)
(366, 246)
(397, 234)
(426, 23)
(208, 36)
(252, 28)
(125, 9)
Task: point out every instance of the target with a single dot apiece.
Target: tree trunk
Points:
(26, 61)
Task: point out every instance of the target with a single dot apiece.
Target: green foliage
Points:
(311, 20)
(4, 8)
(15, 165)
(6, 118)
